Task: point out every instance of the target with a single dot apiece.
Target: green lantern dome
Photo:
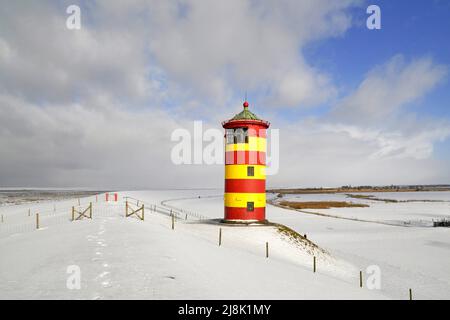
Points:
(245, 114)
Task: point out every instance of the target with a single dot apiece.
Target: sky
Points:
(96, 107)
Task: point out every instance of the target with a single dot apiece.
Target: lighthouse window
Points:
(230, 136)
(250, 206)
(241, 135)
(250, 171)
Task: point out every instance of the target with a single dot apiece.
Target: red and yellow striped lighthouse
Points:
(245, 162)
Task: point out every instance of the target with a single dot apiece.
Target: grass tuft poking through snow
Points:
(299, 240)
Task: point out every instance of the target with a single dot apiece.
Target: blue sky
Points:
(411, 28)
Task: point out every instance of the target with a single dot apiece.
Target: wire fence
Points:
(61, 213)
(168, 210)
(45, 214)
(188, 212)
(51, 214)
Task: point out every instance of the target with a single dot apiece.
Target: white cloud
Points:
(91, 145)
(389, 88)
(140, 48)
(218, 46)
(397, 143)
(371, 136)
(52, 63)
(88, 108)
(377, 111)
(316, 156)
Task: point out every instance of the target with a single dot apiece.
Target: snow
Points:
(416, 196)
(409, 257)
(131, 259)
(414, 212)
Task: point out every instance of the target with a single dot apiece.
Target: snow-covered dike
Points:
(408, 257)
(132, 259)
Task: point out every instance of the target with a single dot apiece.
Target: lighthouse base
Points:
(242, 214)
(245, 222)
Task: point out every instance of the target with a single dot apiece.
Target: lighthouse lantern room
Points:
(245, 162)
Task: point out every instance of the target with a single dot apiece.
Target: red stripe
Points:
(245, 157)
(245, 185)
(254, 124)
(242, 214)
(256, 131)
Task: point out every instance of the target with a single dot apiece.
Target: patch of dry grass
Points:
(321, 204)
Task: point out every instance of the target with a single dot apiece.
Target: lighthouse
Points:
(245, 162)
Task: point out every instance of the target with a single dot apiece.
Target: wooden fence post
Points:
(2, 218)
(267, 249)
(360, 279)
(410, 294)
(126, 208)
(73, 213)
(142, 212)
(173, 222)
(37, 220)
(220, 237)
(90, 210)
(314, 263)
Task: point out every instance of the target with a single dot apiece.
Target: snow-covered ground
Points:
(127, 258)
(409, 257)
(26, 195)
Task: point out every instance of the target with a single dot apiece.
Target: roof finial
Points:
(245, 101)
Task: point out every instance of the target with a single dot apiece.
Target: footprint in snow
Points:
(102, 275)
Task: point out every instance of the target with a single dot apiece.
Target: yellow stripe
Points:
(239, 200)
(254, 144)
(239, 171)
